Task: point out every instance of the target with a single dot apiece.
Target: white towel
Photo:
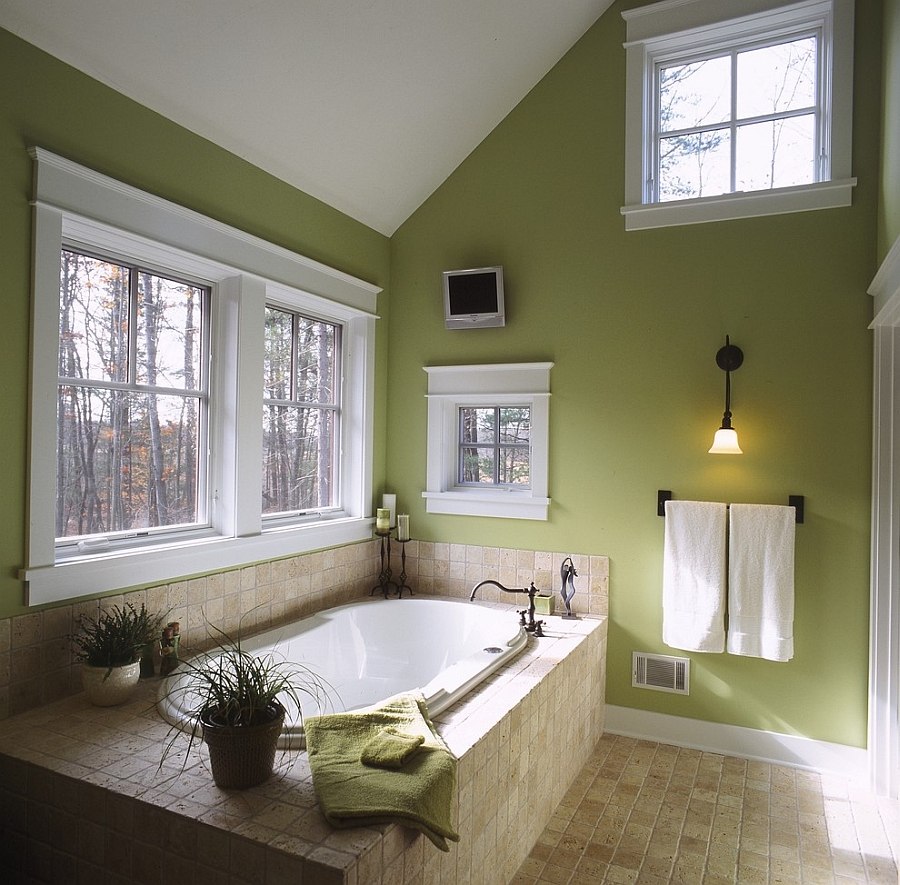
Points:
(761, 581)
(694, 576)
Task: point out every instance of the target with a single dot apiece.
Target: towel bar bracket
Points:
(795, 501)
(662, 495)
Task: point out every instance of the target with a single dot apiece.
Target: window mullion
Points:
(497, 446)
(133, 307)
(294, 359)
(733, 123)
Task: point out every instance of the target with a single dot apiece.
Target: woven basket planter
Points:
(242, 756)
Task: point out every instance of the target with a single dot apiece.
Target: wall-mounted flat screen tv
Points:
(473, 299)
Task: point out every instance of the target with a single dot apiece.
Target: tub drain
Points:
(493, 650)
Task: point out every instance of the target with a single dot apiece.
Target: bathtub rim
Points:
(441, 692)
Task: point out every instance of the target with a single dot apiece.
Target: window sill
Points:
(506, 505)
(727, 207)
(102, 572)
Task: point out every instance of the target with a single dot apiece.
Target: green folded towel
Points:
(390, 748)
(419, 794)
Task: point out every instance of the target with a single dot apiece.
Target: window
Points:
(301, 417)
(488, 431)
(132, 400)
(495, 446)
(729, 116)
(194, 405)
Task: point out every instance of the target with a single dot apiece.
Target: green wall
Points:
(47, 103)
(889, 214)
(633, 322)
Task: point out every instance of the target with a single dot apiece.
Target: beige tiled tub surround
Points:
(82, 798)
(36, 661)
(454, 569)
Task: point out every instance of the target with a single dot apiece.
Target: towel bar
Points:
(663, 495)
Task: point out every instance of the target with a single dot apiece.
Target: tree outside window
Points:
(744, 120)
(131, 401)
(301, 413)
(495, 446)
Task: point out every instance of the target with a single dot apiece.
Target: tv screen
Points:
(474, 298)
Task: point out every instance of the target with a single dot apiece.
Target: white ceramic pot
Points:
(107, 688)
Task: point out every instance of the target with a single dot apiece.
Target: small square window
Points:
(488, 431)
(495, 446)
(746, 120)
(736, 117)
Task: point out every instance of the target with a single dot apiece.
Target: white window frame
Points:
(675, 26)
(513, 384)
(81, 208)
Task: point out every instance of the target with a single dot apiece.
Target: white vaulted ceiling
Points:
(367, 105)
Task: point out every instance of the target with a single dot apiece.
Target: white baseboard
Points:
(735, 740)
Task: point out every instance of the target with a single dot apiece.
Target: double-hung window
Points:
(132, 402)
(200, 399)
(737, 109)
(301, 415)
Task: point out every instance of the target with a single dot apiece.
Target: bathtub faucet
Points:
(531, 625)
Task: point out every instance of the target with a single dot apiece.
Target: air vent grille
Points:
(660, 672)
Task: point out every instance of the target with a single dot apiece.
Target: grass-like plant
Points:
(236, 687)
(231, 686)
(116, 637)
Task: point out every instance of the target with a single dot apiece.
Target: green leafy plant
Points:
(116, 637)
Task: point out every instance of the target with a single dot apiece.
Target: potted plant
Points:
(110, 647)
(235, 700)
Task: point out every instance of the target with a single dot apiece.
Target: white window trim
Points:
(681, 23)
(76, 205)
(450, 387)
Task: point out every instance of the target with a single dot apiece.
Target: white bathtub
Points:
(370, 650)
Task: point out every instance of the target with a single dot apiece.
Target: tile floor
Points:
(647, 813)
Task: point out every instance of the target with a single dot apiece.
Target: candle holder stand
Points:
(385, 579)
(403, 585)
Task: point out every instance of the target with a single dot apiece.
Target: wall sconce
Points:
(728, 359)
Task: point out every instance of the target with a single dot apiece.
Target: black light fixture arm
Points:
(728, 358)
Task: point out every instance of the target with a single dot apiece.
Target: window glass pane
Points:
(168, 332)
(477, 465)
(477, 425)
(278, 343)
(515, 466)
(694, 95)
(515, 425)
(298, 451)
(125, 461)
(316, 361)
(777, 153)
(93, 318)
(777, 78)
(696, 165)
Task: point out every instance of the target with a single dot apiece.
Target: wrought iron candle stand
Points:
(403, 585)
(386, 583)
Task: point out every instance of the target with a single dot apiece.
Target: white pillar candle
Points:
(402, 526)
(389, 502)
(382, 520)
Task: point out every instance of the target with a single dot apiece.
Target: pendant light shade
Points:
(726, 442)
(728, 359)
